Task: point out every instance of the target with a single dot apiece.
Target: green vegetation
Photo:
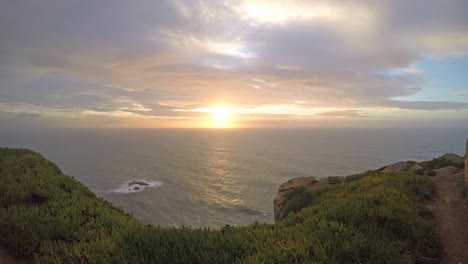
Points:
(334, 179)
(52, 217)
(299, 198)
(438, 163)
(428, 172)
(371, 218)
(359, 176)
(429, 166)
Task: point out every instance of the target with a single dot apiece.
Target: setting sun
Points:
(221, 117)
(221, 114)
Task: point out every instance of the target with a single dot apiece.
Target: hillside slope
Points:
(52, 218)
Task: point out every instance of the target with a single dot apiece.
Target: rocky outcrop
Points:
(137, 185)
(307, 182)
(396, 167)
(428, 168)
(141, 183)
(446, 171)
(453, 158)
(415, 167)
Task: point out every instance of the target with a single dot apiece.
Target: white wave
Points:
(124, 188)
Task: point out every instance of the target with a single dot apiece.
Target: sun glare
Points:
(221, 117)
(221, 114)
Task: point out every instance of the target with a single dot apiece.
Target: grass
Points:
(370, 218)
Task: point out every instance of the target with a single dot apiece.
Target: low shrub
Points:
(438, 163)
(334, 179)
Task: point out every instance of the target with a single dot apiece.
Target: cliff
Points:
(447, 208)
(375, 217)
(286, 200)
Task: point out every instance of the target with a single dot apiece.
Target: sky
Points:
(233, 63)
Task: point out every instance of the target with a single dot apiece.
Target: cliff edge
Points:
(448, 206)
(445, 165)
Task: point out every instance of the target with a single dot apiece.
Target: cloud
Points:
(342, 113)
(126, 59)
(460, 92)
(426, 105)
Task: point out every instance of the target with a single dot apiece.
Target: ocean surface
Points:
(210, 178)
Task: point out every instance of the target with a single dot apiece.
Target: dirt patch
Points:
(6, 258)
(450, 211)
(36, 199)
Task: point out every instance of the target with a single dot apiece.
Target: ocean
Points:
(217, 177)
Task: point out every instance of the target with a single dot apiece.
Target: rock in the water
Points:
(452, 157)
(142, 183)
(447, 171)
(415, 168)
(396, 167)
(136, 188)
(281, 198)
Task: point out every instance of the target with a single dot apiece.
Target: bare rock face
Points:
(396, 167)
(141, 183)
(447, 171)
(415, 168)
(281, 198)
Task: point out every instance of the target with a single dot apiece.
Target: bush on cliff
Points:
(438, 163)
(54, 219)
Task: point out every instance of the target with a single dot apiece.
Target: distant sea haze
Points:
(214, 177)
